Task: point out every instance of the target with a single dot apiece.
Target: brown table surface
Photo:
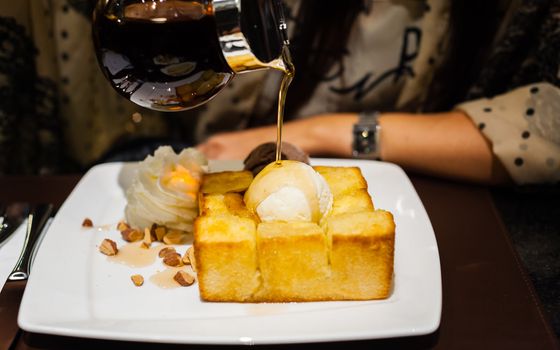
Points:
(488, 299)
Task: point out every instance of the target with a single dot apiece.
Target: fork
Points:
(22, 268)
(12, 292)
(11, 218)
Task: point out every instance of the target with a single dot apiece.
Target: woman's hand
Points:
(327, 135)
(236, 144)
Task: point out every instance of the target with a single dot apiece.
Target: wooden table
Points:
(488, 299)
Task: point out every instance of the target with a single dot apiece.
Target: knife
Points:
(10, 297)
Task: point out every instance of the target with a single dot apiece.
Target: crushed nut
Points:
(186, 259)
(190, 255)
(172, 259)
(138, 280)
(175, 237)
(183, 278)
(122, 226)
(132, 235)
(160, 232)
(147, 238)
(153, 232)
(108, 247)
(87, 223)
(166, 251)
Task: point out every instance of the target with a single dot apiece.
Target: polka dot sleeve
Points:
(523, 126)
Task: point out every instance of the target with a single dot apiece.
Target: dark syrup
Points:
(162, 63)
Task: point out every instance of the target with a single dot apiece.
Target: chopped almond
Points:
(186, 259)
(166, 251)
(153, 232)
(121, 226)
(183, 278)
(190, 254)
(172, 259)
(87, 223)
(147, 238)
(175, 237)
(138, 280)
(132, 235)
(160, 232)
(108, 247)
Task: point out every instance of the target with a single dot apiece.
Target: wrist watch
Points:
(366, 136)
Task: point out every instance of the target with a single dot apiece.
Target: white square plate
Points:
(74, 291)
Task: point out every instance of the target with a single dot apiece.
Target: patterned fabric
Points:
(523, 126)
(30, 127)
(527, 52)
(57, 111)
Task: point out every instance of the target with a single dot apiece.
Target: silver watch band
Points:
(366, 136)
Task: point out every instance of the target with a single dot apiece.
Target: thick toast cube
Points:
(226, 247)
(293, 261)
(224, 204)
(362, 248)
(226, 181)
(352, 202)
(348, 257)
(212, 204)
(342, 180)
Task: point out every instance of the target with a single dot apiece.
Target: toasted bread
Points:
(361, 254)
(342, 180)
(226, 258)
(352, 201)
(226, 181)
(348, 257)
(221, 204)
(293, 261)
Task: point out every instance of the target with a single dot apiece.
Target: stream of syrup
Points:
(289, 72)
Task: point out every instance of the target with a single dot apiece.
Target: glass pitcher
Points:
(172, 55)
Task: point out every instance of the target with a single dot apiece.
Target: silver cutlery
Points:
(11, 217)
(11, 294)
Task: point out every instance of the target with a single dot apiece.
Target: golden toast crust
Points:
(348, 257)
(226, 181)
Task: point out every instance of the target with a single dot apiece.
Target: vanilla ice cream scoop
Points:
(289, 191)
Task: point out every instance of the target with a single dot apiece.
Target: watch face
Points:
(365, 141)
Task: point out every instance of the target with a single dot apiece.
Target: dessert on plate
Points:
(292, 233)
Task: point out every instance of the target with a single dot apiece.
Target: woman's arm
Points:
(325, 135)
(444, 144)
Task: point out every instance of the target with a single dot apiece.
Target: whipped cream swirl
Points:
(165, 188)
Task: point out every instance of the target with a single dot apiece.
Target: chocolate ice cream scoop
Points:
(265, 154)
